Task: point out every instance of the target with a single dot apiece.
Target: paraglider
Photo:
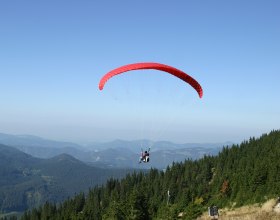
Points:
(145, 156)
(156, 66)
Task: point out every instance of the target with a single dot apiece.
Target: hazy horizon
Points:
(85, 142)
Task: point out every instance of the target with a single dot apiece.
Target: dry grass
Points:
(266, 211)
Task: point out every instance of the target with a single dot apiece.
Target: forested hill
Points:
(27, 182)
(239, 175)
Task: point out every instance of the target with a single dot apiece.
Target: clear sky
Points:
(53, 54)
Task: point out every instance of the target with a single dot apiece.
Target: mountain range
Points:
(118, 153)
(34, 170)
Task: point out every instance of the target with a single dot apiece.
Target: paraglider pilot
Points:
(145, 156)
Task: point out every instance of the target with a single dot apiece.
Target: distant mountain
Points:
(163, 158)
(122, 157)
(118, 153)
(34, 141)
(27, 182)
(136, 145)
(40, 147)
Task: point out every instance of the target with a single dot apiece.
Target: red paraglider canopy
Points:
(157, 66)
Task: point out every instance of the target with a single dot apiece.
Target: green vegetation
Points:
(241, 174)
(27, 182)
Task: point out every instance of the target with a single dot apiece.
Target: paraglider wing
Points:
(157, 66)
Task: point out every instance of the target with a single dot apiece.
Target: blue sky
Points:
(53, 54)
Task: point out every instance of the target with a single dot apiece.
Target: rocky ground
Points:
(270, 210)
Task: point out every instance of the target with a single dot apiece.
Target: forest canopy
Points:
(241, 174)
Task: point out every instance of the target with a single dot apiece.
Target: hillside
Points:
(27, 182)
(240, 175)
